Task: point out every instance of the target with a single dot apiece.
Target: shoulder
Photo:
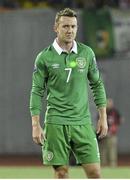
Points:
(44, 52)
(42, 55)
(85, 48)
(87, 52)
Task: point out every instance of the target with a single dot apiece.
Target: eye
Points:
(69, 26)
(65, 26)
(73, 26)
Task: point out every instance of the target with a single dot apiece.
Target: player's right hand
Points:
(37, 135)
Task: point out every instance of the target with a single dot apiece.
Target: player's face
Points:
(66, 29)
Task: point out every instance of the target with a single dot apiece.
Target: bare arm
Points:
(102, 126)
(37, 132)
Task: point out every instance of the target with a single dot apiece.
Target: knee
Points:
(94, 173)
(92, 170)
(61, 172)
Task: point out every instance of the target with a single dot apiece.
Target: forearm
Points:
(96, 83)
(102, 113)
(99, 94)
(35, 102)
(35, 120)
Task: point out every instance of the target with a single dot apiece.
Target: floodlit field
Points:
(47, 173)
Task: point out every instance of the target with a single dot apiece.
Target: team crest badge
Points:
(48, 155)
(81, 62)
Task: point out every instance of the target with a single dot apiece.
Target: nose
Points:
(70, 29)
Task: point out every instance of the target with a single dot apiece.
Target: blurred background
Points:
(26, 27)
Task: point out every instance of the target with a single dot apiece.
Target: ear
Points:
(55, 28)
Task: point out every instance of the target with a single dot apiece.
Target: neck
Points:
(67, 46)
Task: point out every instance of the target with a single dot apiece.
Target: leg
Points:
(61, 172)
(92, 170)
(85, 148)
(56, 148)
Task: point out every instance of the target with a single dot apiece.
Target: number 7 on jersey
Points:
(69, 73)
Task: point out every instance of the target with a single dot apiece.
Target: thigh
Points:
(85, 145)
(56, 147)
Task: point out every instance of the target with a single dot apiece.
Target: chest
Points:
(67, 67)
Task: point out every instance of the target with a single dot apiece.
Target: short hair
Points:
(65, 12)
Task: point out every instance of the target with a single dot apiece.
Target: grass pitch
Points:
(47, 173)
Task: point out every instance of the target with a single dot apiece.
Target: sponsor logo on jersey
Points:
(81, 70)
(81, 62)
(55, 66)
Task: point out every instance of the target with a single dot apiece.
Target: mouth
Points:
(69, 36)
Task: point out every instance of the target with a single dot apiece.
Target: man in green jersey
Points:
(64, 69)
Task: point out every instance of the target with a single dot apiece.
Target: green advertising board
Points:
(98, 31)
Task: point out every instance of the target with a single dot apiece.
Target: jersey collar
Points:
(60, 50)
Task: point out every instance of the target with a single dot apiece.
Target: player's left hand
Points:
(102, 127)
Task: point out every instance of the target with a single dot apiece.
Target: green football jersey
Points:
(66, 77)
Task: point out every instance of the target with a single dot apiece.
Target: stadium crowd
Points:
(28, 4)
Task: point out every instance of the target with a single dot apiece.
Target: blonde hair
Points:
(65, 12)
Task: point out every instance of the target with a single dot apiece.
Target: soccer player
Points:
(64, 69)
